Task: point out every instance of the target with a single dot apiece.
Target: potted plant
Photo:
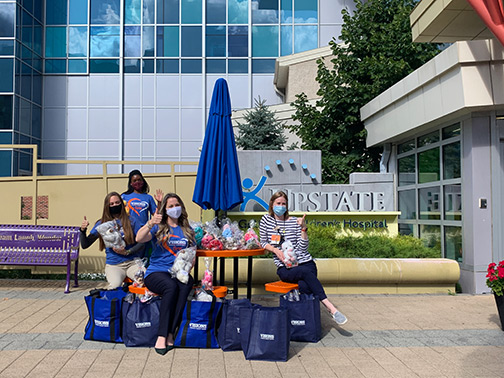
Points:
(495, 281)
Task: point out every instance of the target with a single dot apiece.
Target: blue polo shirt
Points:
(164, 253)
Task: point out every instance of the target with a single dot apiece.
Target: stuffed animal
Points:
(111, 235)
(205, 242)
(140, 274)
(183, 264)
(290, 259)
(251, 239)
(215, 245)
(207, 281)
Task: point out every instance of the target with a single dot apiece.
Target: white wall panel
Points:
(55, 91)
(54, 124)
(167, 150)
(239, 91)
(103, 150)
(191, 88)
(132, 124)
(77, 124)
(167, 90)
(132, 150)
(104, 90)
(76, 150)
(54, 150)
(148, 123)
(167, 124)
(104, 124)
(190, 151)
(148, 90)
(263, 86)
(191, 124)
(77, 90)
(132, 90)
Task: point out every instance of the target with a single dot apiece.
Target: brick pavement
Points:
(41, 331)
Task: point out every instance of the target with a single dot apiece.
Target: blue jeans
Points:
(305, 275)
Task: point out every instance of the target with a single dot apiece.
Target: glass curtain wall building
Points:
(132, 79)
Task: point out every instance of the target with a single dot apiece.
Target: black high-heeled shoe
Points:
(163, 351)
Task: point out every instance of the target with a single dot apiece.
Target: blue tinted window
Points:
(105, 12)
(305, 38)
(216, 11)
(191, 11)
(26, 55)
(7, 14)
(305, 11)
(37, 10)
(191, 41)
(216, 66)
(237, 41)
(266, 12)
(56, 12)
(148, 41)
(168, 12)
(216, 41)
(132, 41)
(27, 29)
(148, 11)
(37, 38)
(78, 11)
(25, 161)
(238, 11)
(286, 40)
(132, 11)
(7, 76)
(5, 137)
(191, 66)
(56, 45)
(7, 47)
(286, 11)
(263, 66)
(6, 112)
(132, 65)
(148, 66)
(104, 65)
(77, 41)
(77, 66)
(104, 41)
(265, 41)
(36, 121)
(37, 88)
(167, 66)
(168, 41)
(28, 4)
(26, 81)
(55, 66)
(6, 163)
(237, 66)
(37, 63)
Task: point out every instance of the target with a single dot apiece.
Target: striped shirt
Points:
(291, 231)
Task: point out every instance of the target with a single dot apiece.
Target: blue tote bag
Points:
(265, 333)
(229, 329)
(104, 308)
(141, 322)
(304, 317)
(198, 325)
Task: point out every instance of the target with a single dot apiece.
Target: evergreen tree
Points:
(262, 131)
(377, 51)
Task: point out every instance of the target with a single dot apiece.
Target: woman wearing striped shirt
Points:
(275, 228)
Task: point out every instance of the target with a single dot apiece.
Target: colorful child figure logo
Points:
(251, 196)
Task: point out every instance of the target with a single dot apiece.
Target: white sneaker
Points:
(339, 318)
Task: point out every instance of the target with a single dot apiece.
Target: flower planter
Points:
(499, 301)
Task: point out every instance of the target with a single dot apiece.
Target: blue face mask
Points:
(279, 210)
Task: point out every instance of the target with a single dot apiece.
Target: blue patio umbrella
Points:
(218, 182)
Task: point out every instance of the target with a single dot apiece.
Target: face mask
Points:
(174, 212)
(114, 210)
(137, 185)
(279, 210)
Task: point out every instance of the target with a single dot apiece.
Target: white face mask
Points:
(174, 212)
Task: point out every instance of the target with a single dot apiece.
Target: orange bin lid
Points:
(137, 290)
(280, 287)
(220, 291)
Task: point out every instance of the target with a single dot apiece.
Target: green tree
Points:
(262, 131)
(376, 52)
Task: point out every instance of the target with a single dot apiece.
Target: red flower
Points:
(492, 278)
(500, 271)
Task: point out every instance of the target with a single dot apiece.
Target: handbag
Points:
(104, 309)
(265, 333)
(228, 334)
(141, 322)
(304, 317)
(198, 325)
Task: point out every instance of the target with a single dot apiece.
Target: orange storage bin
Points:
(220, 291)
(280, 287)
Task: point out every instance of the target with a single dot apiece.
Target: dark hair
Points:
(129, 237)
(183, 221)
(145, 187)
(273, 199)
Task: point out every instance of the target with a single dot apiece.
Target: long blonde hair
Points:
(183, 221)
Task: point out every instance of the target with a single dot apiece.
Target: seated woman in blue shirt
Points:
(119, 263)
(170, 230)
(139, 202)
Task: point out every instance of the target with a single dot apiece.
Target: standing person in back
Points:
(170, 230)
(275, 228)
(119, 262)
(139, 202)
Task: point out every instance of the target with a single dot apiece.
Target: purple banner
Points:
(31, 239)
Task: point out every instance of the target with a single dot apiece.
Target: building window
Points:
(429, 189)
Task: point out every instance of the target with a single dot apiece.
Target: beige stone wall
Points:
(302, 79)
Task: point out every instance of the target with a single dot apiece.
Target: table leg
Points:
(249, 277)
(215, 270)
(235, 278)
(195, 270)
(222, 271)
